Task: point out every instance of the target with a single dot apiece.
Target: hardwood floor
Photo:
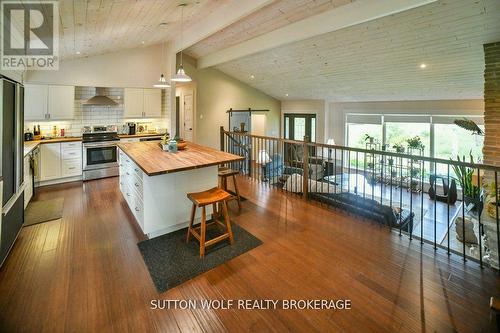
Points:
(84, 273)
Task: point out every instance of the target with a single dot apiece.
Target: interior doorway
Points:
(298, 125)
(186, 110)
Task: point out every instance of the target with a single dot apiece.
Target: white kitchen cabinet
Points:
(152, 103)
(50, 164)
(142, 103)
(61, 102)
(28, 180)
(48, 102)
(35, 101)
(134, 103)
(71, 159)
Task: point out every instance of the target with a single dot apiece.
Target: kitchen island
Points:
(154, 183)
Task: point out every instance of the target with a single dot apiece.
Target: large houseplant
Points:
(464, 178)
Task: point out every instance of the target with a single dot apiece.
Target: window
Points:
(356, 133)
(451, 141)
(398, 133)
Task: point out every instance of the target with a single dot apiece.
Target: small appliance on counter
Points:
(28, 136)
(131, 128)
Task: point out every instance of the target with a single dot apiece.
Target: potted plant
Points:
(415, 143)
(181, 144)
(368, 138)
(399, 148)
(470, 190)
(164, 141)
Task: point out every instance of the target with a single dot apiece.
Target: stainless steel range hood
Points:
(100, 98)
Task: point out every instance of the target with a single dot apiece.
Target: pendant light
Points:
(162, 82)
(181, 75)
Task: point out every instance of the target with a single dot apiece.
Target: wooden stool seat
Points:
(212, 197)
(208, 197)
(224, 173)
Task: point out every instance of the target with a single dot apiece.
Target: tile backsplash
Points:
(86, 115)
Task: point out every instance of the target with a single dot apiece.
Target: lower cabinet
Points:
(131, 186)
(50, 165)
(60, 160)
(28, 180)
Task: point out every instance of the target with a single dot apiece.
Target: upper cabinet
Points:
(48, 102)
(61, 102)
(35, 101)
(134, 103)
(142, 103)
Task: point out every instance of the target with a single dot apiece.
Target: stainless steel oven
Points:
(100, 155)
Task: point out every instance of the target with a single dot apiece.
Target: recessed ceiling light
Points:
(78, 52)
(142, 42)
(423, 66)
(286, 95)
(252, 77)
(163, 24)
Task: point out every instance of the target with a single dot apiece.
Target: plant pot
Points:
(181, 145)
(164, 147)
(475, 201)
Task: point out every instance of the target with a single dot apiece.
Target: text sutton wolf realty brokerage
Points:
(29, 35)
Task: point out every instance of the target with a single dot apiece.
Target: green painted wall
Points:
(216, 92)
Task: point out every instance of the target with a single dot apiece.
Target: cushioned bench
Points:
(367, 208)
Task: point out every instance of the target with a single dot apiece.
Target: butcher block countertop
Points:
(149, 156)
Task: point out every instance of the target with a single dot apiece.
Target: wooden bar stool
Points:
(201, 199)
(224, 174)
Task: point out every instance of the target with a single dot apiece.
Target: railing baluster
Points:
(357, 161)
(479, 228)
(497, 218)
(463, 222)
(435, 207)
(422, 168)
(448, 215)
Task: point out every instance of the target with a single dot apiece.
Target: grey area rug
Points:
(171, 261)
(43, 211)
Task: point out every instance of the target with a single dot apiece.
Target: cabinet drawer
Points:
(137, 210)
(136, 170)
(71, 167)
(71, 145)
(71, 153)
(136, 183)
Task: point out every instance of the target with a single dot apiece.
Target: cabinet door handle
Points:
(128, 174)
(136, 185)
(137, 209)
(128, 194)
(136, 170)
(71, 168)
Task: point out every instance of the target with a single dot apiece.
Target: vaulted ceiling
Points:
(277, 14)
(90, 27)
(380, 59)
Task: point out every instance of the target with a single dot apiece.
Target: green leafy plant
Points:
(368, 138)
(469, 125)
(165, 138)
(464, 178)
(399, 148)
(415, 143)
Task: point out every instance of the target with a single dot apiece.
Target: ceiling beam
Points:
(217, 20)
(357, 12)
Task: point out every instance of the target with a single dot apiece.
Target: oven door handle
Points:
(99, 145)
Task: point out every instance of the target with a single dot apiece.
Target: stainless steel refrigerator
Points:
(12, 159)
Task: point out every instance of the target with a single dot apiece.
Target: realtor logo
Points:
(30, 35)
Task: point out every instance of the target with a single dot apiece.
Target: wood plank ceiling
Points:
(271, 17)
(380, 60)
(91, 27)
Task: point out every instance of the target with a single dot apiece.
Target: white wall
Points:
(310, 106)
(140, 67)
(336, 112)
